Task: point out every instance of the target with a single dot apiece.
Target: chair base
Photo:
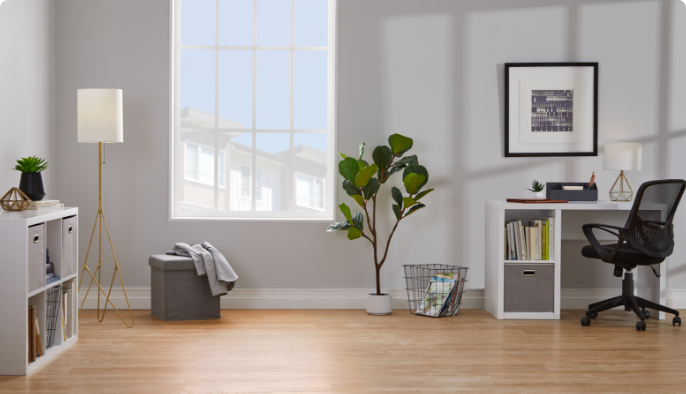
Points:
(629, 301)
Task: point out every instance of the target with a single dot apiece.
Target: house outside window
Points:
(253, 109)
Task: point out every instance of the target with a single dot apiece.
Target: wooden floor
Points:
(348, 351)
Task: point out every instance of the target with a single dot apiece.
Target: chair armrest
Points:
(588, 232)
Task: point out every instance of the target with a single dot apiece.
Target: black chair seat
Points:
(625, 256)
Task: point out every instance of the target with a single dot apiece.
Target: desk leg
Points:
(652, 288)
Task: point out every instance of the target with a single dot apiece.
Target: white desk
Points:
(567, 226)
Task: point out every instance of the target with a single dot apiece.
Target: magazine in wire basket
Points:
(435, 290)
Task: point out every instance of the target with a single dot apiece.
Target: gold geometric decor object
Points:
(621, 194)
(15, 200)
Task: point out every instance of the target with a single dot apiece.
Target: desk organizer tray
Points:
(554, 190)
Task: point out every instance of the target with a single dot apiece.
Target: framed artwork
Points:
(551, 109)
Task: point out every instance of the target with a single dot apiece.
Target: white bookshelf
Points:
(20, 281)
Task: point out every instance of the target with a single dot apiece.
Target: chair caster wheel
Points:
(585, 321)
(646, 313)
(593, 316)
(676, 320)
(641, 326)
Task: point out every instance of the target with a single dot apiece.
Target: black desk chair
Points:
(642, 241)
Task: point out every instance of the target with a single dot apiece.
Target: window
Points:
(310, 191)
(253, 99)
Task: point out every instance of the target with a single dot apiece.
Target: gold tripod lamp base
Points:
(620, 194)
(99, 219)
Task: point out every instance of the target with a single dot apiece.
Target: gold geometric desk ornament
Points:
(15, 200)
(622, 156)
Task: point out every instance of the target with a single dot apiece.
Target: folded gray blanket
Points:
(209, 262)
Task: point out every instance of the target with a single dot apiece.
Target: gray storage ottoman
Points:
(177, 292)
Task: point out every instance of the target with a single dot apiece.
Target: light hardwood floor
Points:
(348, 351)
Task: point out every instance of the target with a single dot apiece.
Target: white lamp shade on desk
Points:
(100, 115)
(623, 156)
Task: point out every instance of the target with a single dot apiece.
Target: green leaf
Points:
(399, 144)
(338, 226)
(350, 188)
(359, 199)
(31, 164)
(343, 155)
(358, 220)
(349, 168)
(415, 208)
(422, 194)
(362, 164)
(413, 182)
(408, 202)
(391, 172)
(346, 211)
(406, 161)
(361, 151)
(365, 175)
(396, 211)
(397, 196)
(419, 170)
(383, 157)
(354, 233)
(371, 188)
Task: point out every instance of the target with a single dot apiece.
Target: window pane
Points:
(273, 89)
(304, 190)
(197, 88)
(311, 23)
(191, 162)
(273, 161)
(246, 181)
(236, 22)
(310, 91)
(310, 164)
(258, 184)
(273, 23)
(237, 146)
(197, 22)
(206, 166)
(235, 89)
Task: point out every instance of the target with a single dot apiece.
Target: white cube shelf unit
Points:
(24, 238)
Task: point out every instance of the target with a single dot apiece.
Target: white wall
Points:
(26, 88)
(432, 70)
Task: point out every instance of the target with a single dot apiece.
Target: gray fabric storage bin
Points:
(529, 287)
(177, 292)
(37, 256)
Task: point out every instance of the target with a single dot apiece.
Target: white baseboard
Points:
(354, 298)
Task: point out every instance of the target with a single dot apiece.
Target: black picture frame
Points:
(508, 99)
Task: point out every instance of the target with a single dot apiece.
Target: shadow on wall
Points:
(437, 63)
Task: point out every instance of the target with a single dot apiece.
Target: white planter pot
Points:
(379, 304)
(538, 195)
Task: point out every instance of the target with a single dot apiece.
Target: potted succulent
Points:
(537, 190)
(31, 182)
(362, 186)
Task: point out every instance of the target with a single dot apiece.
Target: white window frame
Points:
(176, 175)
(314, 180)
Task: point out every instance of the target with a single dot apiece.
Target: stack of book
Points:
(532, 242)
(68, 316)
(45, 204)
(50, 276)
(441, 298)
(35, 343)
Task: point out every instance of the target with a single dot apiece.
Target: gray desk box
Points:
(177, 292)
(529, 287)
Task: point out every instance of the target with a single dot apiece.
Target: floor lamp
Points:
(100, 119)
(622, 156)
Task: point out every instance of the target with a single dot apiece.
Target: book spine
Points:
(505, 255)
(551, 236)
(519, 241)
(522, 239)
(539, 227)
(545, 242)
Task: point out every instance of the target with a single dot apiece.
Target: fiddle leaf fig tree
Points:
(362, 183)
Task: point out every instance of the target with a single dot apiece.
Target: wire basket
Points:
(435, 290)
(52, 313)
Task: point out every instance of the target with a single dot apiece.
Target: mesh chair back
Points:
(650, 221)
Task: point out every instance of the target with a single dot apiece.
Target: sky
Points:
(272, 68)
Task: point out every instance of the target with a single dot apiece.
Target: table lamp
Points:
(622, 156)
(100, 119)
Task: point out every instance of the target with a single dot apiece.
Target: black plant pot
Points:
(31, 183)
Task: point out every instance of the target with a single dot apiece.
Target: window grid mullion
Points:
(291, 161)
(248, 48)
(254, 106)
(216, 106)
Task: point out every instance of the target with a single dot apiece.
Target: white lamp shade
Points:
(622, 156)
(100, 115)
